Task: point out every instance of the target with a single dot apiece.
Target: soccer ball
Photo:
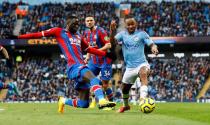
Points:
(147, 105)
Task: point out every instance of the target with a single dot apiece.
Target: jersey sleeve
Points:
(103, 36)
(119, 38)
(84, 44)
(46, 33)
(147, 40)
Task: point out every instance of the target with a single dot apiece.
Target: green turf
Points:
(46, 114)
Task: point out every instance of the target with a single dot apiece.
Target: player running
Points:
(97, 37)
(133, 42)
(10, 86)
(72, 44)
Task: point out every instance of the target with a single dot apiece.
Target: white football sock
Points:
(143, 91)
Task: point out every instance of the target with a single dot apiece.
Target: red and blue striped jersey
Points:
(70, 44)
(97, 39)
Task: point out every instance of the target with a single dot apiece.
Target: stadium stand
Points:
(43, 79)
(177, 79)
(153, 17)
(7, 19)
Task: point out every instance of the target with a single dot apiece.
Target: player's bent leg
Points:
(108, 91)
(71, 102)
(96, 88)
(106, 74)
(143, 74)
(109, 94)
(95, 70)
(125, 94)
(82, 102)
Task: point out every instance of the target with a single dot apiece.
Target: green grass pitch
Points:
(46, 114)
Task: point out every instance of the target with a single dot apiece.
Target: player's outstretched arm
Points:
(104, 39)
(95, 51)
(46, 33)
(31, 35)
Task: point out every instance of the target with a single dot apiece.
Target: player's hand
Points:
(154, 49)
(108, 45)
(113, 25)
(86, 60)
(111, 54)
(9, 63)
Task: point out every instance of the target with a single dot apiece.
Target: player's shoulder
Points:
(142, 32)
(101, 29)
(55, 29)
(78, 34)
(86, 30)
(122, 32)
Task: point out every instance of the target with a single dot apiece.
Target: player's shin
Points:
(125, 93)
(143, 91)
(77, 103)
(109, 94)
(144, 88)
(96, 88)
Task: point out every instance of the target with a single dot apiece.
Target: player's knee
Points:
(84, 104)
(143, 74)
(105, 86)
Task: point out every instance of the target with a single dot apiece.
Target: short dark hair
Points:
(89, 15)
(70, 17)
(128, 17)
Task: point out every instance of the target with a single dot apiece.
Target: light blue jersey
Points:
(133, 47)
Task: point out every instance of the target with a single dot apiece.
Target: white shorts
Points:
(131, 74)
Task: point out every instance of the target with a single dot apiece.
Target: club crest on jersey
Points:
(136, 39)
(106, 38)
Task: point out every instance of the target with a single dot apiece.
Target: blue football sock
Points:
(77, 103)
(96, 88)
(109, 94)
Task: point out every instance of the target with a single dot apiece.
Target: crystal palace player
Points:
(72, 44)
(97, 37)
(133, 42)
(9, 86)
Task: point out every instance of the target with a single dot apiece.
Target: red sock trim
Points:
(74, 102)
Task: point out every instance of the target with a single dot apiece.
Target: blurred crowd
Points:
(178, 79)
(45, 16)
(43, 79)
(39, 79)
(185, 18)
(158, 19)
(7, 19)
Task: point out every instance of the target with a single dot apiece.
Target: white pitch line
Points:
(2, 109)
